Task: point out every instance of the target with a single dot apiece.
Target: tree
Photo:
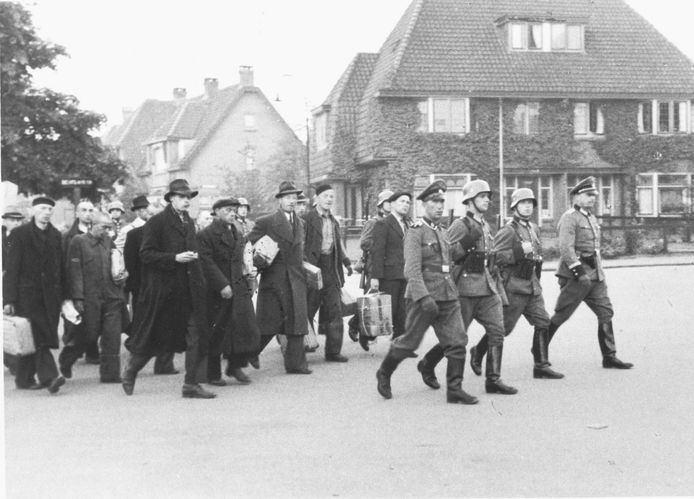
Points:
(45, 135)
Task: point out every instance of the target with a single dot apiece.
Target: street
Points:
(597, 432)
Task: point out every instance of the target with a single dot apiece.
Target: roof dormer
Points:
(543, 33)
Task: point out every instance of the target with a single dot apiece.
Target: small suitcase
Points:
(314, 277)
(17, 338)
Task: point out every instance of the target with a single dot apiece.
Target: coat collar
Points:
(227, 236)
(174, 221)
(283, 227)
(393, 223)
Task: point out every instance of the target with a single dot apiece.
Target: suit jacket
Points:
(387, 252)
(34, 280)
(579, 236)
(89, 269)
(509, 254)
(281, 306)
(314, 239)
(473, 284)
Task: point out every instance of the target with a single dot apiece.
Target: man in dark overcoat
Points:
(281, 306)
(11, 219)
(98, 296)
(387, 260)
(132, 236)
(580, 273)
(33, 288)
(231, 317)
(324, 249)
(170, 314)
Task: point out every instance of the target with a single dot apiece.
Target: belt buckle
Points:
(445, 269)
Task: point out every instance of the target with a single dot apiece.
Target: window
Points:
(444, 115)
(249, 122)
(249, 155)
(541, 186)
(662, 194)
(546, 36)
(526, 118)
(526, 36)
(670, 117)
(588, 119)
(574, 37)
(320, 124)
(545, 198)
(558, 36)
(158, 156)
(606, 200)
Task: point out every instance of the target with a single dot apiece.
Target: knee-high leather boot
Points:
(388, 367)
(428, 374)
(541, 355)
(493, 384)
(454, 383)
(609, 349)
(477, 354)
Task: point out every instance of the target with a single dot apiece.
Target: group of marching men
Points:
(191, 290)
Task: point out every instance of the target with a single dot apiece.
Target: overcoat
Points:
(221, 256)
(579, 237)
(314, 239)
(169, 291)
(33, 281)
(131, 257)
(387, 253)
(281, 306)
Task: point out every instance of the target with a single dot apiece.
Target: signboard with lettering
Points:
(76, 182)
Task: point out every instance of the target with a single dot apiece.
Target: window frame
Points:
(589, 107)
(430, 115)
(654, 186)
(526, 118)
(521, 31)
(674, 107)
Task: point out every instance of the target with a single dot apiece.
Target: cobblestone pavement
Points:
(596, 433)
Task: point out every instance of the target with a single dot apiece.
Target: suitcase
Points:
(314, 277)
(375, 315)
(17, 338)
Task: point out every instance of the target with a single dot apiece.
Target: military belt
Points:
(444, 269)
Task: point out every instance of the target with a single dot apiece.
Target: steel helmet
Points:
(244, 202)
(521, 195)
(473, 188)
(383, 196)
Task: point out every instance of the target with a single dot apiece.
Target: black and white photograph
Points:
(330, 248)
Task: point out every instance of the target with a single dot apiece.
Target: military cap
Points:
(222, 203)
(397, 194)
(12, 213)
(435, 191)
(383, 196)
(585, 185)
(139, 202)
(322, 188)
(43, 200)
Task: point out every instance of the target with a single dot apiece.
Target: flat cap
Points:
(585, 185)
(43, 200)
(322, 188)
(13, 213)
(435, 191)
(397, 194)
(222, 203)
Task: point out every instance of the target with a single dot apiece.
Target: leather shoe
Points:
(168, 372)
(32, 386)
(55, 384)
(383, 384)
(66, 371)
(612, 362)
(353, 334)
(240, 376)
(302, 370)
(336, 357)
(196, 392)
(498, 386)
(546, 372)
(254, 362)
(217, 382)
(364, 342)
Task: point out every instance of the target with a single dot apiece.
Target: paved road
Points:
(331, 434)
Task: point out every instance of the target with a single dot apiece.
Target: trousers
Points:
(573, 292)
(328, 303)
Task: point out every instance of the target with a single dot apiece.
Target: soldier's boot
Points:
(428, 374)
(388, 366)
(493, 384)
(550, 334)
(541, 354)
(454, 380)
(477, 354)
(434, 356)
(608, 348)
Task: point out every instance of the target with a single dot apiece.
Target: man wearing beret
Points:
(171, 311)
(231, 318)
(33, 289)
(365, 243)
(432, 300)
(479, 296)
(131, 235)
(387, 261)
(580, 273)
(324, 249)
(519, 256)
(281, 306)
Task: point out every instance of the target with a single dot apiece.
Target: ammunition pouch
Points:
(475, 262)
(525, 269)
(538, 268)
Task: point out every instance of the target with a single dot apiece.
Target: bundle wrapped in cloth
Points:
(264, 252)
(375, 314)
(117, 264)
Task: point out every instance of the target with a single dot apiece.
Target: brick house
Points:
(582, 88)
(202, 139)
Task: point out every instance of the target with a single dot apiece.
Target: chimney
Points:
(127, 114)
(211, 87)
(246, 76)
(179, 93)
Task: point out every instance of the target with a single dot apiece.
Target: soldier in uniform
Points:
(580, 273)
(519, 257)
(242, 212)
(479, 296)
(432, 300)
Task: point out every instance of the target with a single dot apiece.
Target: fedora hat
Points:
(139, 202)
(287, 188)
(180, 186)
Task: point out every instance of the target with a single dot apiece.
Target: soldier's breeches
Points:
(530, 306)
(573, 292)
(447, 324)
(488, 311)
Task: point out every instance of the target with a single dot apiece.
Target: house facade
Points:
(205, 139)
(550, 91)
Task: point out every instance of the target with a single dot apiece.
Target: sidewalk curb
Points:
(633, 265)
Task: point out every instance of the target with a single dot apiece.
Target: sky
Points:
(123, 52)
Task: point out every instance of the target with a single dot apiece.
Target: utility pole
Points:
(502, 190)
(308, 160)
